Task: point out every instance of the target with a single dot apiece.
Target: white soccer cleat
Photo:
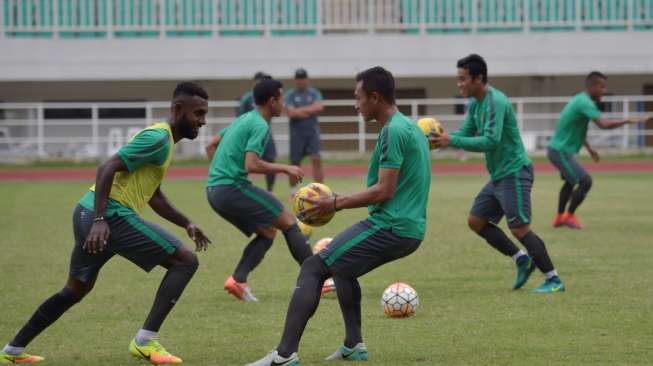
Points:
(273, 359)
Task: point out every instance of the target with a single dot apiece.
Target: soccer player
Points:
(570, 135)
(107, 222)
(246, 104)
(491, 127)
(398, 182)
(303, 104)
(235, 152)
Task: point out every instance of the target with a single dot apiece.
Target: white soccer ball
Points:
(399, 300)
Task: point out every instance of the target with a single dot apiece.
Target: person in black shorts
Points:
(107, 222)
(235, 153)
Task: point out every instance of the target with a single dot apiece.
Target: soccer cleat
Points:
(6, 358)
(551, 285)
(239, 290)
(328, 286)
(558, 220)
(358, 353)
(153, 351)
(571, 221)
(273, 359)
(525, 267)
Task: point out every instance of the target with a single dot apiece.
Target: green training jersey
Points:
(246, 103)
(249, 132)
(147, 157)
(402, 145)
(491, 127)
(571, 129)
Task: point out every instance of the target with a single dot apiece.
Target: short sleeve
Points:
(148, 147)
(589, 109)
(392, 148)
(258, 138)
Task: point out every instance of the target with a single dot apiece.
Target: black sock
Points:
(579, 194)
(252, 256)
(349, 297)
(269, 181)
(565, 194)
(498, 240)
(537, 251)
(171, 288)
(303, 303)
(297, 243)
(49, 311)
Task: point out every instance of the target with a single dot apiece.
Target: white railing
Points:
(172, 18)
(29, 130)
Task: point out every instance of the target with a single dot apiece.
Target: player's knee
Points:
(75, 293)
(520, 231)
(285, 220)
(586, 183)
(186, 259)
(267, 232)
(313, 266)
(476, 224)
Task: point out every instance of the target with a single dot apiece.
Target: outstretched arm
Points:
(160, 204)
(593, 153)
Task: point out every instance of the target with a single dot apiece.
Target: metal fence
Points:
(46, 130)
(212, 18)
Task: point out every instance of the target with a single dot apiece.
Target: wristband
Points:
(98, 218)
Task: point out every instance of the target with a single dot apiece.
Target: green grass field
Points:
(468, 314)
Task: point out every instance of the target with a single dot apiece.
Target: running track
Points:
(350, 170)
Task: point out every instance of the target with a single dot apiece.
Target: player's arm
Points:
(489, 138)
(160, 204)
(212, 146)
(96, 240)
(381, 191)
(609, 124)
(297, 112)
(254, 164)
(316, 107)
(593, 153)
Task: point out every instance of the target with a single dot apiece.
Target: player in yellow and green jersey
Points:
(570, 135)
(396, 195)
(491, 127)
(107, 222)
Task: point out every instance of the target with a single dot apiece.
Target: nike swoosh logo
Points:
(556, 289)
(512, 219)
(143, 354)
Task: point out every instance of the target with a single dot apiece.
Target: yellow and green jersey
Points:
(249, 132)
(491, 127)
(147, 157)
(571, 129)
(402, 145)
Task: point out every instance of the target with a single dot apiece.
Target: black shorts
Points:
(303, 142)
(245, 206)
(143, 243)
(509, 196)
(570, 169)
(363, 247)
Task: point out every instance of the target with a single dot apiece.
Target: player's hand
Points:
(595, 155)
(96, 240)
(196, 234)
(321, 205)
(295, 172)
(442, 139)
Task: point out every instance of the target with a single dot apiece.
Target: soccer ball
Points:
(321, 244)
(299, 205)
(428, 126)
(399, 300)
(305, 229)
